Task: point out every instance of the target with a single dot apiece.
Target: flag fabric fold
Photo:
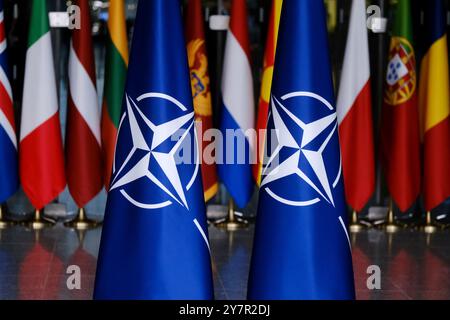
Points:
(354, 111)
(9, 175)
(155, 239)
(266, 85)
(201, 91)
(400, 140)
(83, 137)
(434, 104)
(302, 248)
(115, 76)
(238, 111)
(41, 157)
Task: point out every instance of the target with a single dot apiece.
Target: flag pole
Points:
(39, 222)
(355, 225)
(82, 222)
(232, 222)
(4, 223)
(429, 227)
(391, 226)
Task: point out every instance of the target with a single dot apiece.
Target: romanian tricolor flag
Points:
(201, 92)
(115, 76)
(434, 103)
(266, 85)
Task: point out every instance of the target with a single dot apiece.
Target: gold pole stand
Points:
(355, 225)
(232, 223)
(390, 226)
(81, 222)
(39, 222)
(4, 223)
(430, 226)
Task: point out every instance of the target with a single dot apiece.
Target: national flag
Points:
(115, 77)
(354, 112)
(266, 85)
(238, 111)
(434, 104)
(302, 248)
(201, 90)
(400, 142)
(155, 238)
(83, 137)
(9, 176)
(41, 152)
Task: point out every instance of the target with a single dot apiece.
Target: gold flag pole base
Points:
(391, 226)
(429, 227)
(355, 225)
(4, 223)
(232, 223)
(82, 222)
(39, 222)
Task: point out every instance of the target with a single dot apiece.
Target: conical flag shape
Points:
(434, 103)
(41, 152)
(83, 138)
(155, 238)
(115, 77)
(354, 110)
(266, 85)
(238, 112)
(400, 141)
(9, 176)
(201, 91)
(302, 248)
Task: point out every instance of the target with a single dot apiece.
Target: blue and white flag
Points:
(155, 240)
(302, 248)
(238, 111)
(9, 179)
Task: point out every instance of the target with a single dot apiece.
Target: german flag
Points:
(434, 103)
(115, 76)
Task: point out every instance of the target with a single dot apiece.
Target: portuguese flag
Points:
(435, 107)
(400, 138)
(200, 83)
(115, 77)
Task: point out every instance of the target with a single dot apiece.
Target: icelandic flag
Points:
(238, 112)
(302, 248)
(155, 240)
(9, 179)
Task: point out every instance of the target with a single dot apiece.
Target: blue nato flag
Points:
(302, 248)
(155, 241)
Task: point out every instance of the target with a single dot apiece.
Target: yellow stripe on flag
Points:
(434, 86)
(117, 28)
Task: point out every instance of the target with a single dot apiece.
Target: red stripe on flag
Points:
(437, 164)
(41, 163)
(356, 136)
(83, 159)
(6, 105)
(239, 25)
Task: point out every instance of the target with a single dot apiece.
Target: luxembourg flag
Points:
(238, 115)
(354, 111)
(8, 140)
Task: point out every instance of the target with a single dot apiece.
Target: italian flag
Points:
(115, 76)
(41, 151)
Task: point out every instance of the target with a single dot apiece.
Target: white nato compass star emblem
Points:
(310, 145)
(153, 156)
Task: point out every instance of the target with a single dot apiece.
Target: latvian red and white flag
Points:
(354, 112)
(41, 152)
(83, 138)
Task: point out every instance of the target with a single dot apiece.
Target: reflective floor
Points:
(33, 265)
